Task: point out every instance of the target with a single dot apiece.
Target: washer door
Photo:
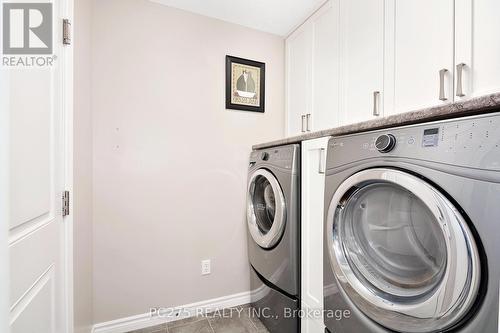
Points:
(401, 251)
(265, 209)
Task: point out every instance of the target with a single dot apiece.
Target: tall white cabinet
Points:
(362, 61)
(299, 74)
(325, 67)
(312, 80)
(312, 189)
(355, 60)
(477, 47)
(420, 40)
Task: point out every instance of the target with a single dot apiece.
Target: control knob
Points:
(385, 143)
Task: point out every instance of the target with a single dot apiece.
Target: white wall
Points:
(169, 165)
(82, 172)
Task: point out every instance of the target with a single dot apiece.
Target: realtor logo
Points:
(27, 28)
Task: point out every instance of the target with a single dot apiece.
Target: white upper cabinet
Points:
(298, 48)
(298, 79)
(477, 45)
(354, 59)
(325, 67)
(313, 73)
(422, 50)
(362, 64)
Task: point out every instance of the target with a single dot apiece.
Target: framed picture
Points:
(245, 84)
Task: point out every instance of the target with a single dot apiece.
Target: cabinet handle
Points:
(302, 124)
(308, 118)
(376, 111)
(442, 95)
(460, 67)
(322, 162)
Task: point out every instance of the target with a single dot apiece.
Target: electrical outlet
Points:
(205, 267)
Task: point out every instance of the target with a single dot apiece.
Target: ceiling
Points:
(279, 17)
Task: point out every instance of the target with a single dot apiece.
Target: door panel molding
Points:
(40, 163)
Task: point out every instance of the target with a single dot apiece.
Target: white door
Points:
(4, 200)
(325, 67)
(423, 50)
(298, 48)
(39, 239)
(477, 44)
(313, 185)
(362, 64)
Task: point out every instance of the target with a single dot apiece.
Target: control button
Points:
(411, 141)
(385, 143)
(264, 156)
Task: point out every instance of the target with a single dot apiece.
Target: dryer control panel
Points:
(469, 142)
(283, 157)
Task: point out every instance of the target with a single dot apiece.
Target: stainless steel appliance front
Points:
(410, 238)
(273, 220)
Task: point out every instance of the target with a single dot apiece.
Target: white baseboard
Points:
(144, 320)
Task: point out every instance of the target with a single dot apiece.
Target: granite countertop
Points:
(474, 106)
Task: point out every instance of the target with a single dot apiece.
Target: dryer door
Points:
(265, 209)
(401, 251)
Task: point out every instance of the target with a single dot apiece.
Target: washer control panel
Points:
(469, 142)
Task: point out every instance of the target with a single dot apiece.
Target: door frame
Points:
(66, 58)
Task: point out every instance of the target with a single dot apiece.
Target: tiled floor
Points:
(235, 320)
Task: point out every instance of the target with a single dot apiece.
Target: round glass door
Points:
(392, 240)
(265, 209)
(401, 251)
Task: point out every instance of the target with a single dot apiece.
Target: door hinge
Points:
(66, 32)
(65, 203)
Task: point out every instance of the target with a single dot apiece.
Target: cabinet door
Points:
(298, 81)
(325, 67)
(477, 45)
(362, 63)
(421, 46)
(313, 186)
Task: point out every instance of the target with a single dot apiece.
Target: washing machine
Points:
(412, 228)
(273, 220)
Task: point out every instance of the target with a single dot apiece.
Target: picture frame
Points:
(245, 84)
